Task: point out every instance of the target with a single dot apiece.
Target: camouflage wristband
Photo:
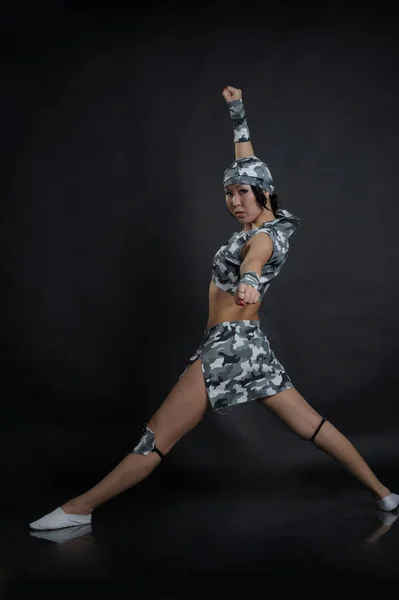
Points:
(250, 278)
(240, 125)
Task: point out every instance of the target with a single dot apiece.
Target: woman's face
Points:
(241, 202)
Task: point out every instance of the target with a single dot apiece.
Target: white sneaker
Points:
(57, 519)
(390, 502)
(60, 536)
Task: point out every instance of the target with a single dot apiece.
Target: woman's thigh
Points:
(183, 408)
(294, 411)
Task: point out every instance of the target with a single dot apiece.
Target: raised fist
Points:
(230, 93)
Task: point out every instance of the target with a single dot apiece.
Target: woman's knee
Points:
(295, 412)
(166, 435)
(162, 438)
(307, 431)
(185, 406)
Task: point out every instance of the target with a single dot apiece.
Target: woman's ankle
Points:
(381, 493)
(77, 506)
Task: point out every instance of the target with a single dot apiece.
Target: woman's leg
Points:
(180, 412)
(302, 419)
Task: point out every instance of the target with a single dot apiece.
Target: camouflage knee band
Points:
(240, 125)
(146, 443)
(250, 278)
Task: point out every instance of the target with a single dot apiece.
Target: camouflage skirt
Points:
(238, 365)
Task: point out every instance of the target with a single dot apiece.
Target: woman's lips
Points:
(239, 214)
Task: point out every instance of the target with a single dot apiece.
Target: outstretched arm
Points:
(242, 139)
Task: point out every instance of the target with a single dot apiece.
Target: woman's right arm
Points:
(242, 139)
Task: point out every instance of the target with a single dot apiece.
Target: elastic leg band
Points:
(155, 449)
(147, 443)
(317, 431)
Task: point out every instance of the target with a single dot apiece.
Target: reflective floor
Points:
(197, 536)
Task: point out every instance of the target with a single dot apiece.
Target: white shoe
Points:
(390, 502)
(60, 536)
(57, 519)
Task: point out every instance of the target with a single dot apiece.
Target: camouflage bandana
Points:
(251, 171)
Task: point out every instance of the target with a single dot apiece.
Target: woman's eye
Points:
(245, 191)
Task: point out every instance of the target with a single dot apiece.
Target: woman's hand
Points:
(230, 93)
(250, 295)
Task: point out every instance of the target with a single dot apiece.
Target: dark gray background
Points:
(114, 140)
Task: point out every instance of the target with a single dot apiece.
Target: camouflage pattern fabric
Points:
(238, 365)
(251, 171)
(250, 278)
(146, 443)
(240, 125)
(227, 260)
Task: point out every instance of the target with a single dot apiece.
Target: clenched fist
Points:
(246, 294)
(230, 93)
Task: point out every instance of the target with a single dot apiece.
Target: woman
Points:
(234, 362)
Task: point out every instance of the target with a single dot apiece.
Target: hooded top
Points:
(227, 260)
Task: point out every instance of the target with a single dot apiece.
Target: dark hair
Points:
(260, 198)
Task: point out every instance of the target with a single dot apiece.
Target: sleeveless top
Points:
(227, 260)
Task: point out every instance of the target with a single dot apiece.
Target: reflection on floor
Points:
(197, 537)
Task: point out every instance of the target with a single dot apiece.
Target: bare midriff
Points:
(223, 308)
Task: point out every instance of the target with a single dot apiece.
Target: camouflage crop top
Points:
(227, 260)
